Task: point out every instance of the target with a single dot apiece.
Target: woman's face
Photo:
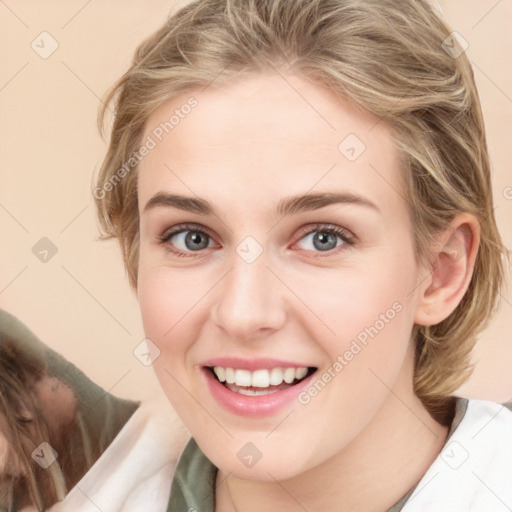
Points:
(274, 234)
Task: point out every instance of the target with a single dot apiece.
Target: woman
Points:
(302, 194)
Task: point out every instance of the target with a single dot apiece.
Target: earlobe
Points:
(451, 270)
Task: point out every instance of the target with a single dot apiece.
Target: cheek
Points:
(363, 322)
(173, 305)
(173, 312)
(167, 299)
(362, 301)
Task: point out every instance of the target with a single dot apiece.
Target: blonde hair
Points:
(390, 58)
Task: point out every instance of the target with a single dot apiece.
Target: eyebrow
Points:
(286, 206)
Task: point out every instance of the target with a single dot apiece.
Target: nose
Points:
(250, 302)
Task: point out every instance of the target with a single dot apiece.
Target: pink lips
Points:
(252, 406)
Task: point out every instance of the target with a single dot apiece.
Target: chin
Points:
(256, 460)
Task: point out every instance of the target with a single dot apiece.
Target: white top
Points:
(473, 472)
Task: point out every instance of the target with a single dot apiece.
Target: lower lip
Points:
(253, 406)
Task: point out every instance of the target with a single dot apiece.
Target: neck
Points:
(388, 457)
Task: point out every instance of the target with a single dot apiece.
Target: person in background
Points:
(49, 410)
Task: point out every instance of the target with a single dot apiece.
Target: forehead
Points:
(267, 135)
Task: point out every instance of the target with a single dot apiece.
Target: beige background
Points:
(79, 301)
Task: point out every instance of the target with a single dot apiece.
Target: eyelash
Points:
(344, 235)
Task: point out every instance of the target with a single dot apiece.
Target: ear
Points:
(451, 271)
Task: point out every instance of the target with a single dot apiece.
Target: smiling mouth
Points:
(260, 382)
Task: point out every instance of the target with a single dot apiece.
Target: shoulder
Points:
(136, 468)
(484, 440)
(498, 414)
(477, 457)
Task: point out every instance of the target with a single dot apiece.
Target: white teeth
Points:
(243, 378)
(259, 378)
(230, 375)
(253, 392)
(300, 372)
(221, 374)
(276, 376)
(289, 375)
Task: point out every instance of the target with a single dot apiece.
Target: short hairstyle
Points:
(399, 62)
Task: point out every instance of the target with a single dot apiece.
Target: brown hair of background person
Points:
(46, 399)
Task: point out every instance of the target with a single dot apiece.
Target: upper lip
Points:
(264, 363)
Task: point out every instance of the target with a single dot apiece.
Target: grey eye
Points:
(190, 240)
(321, 241)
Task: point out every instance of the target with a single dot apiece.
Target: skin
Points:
(245, 147)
